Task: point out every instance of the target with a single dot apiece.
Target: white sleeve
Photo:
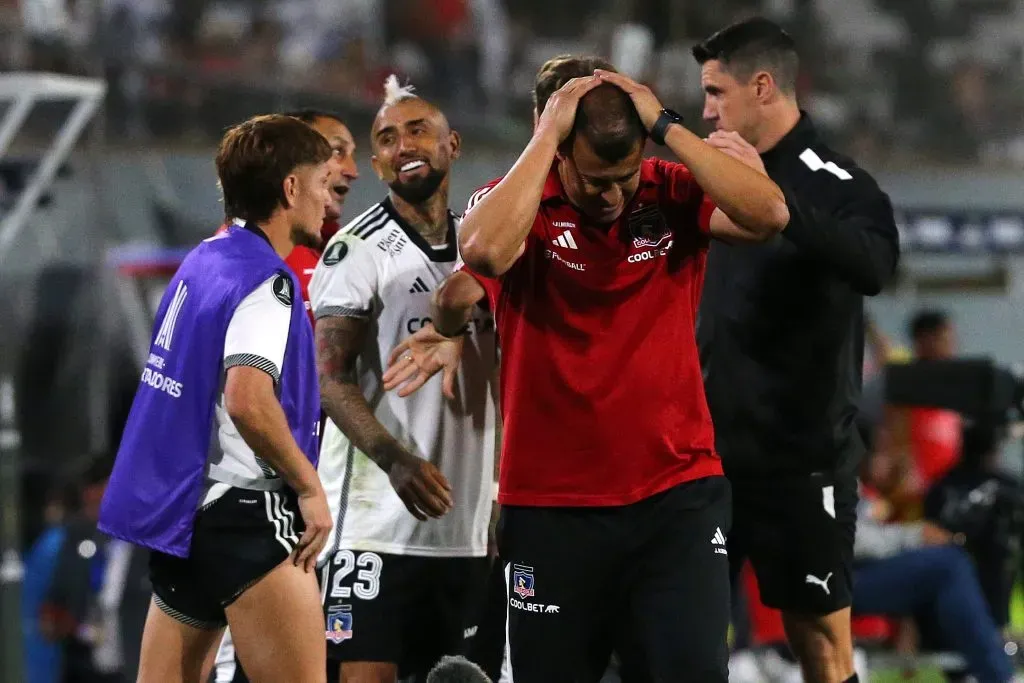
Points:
(258, 332)
(345, 280)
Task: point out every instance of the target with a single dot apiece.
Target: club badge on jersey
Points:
(648, 227)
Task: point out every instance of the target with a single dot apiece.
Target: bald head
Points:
(608, 121)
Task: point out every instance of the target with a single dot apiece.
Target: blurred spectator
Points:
(88, 596)
(986, 505)
(920, 570)
(935, 433)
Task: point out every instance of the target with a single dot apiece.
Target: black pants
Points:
(650, 580)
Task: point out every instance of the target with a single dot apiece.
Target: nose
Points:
(349, 169)
(710, 110)
(610, 196)
(405, 144)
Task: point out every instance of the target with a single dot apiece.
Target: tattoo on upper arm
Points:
(338, 343)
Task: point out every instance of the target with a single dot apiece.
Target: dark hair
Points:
(311, 116)
(751, 45)
(927, 322)
(607, 119)
(558, 71)
(256, 156)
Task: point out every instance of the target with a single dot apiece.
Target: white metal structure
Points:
(23, 90)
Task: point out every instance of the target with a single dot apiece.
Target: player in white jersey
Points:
(405, 566)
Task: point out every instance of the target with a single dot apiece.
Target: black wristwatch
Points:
(660, 127)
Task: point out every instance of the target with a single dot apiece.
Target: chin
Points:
(301, 238)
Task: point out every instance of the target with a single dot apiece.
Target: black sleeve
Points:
(856, 237)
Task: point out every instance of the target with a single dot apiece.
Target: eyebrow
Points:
(391, 129)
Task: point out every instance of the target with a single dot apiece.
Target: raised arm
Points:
(751, 200)
(493, 235)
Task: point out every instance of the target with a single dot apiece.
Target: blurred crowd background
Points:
(927, 94)
(895, 81)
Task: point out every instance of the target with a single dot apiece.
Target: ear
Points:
(455, 143)
(291, 190)
(764, 86)
(377, 167)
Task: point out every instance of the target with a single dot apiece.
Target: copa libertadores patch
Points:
(283, 290)
(335, 253)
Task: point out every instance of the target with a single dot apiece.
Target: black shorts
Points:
(236, 540)
(797, 533)
(403, 609)
(649, 580)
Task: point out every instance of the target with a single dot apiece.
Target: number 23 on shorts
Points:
(367, 567)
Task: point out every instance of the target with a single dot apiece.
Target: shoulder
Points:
(351, 249)
(834, 176)
(368, 224)
(272, 295)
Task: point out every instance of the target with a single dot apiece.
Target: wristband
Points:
(660, 127)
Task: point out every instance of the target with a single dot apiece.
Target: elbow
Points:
(872, 286)
(778, 216)
(481, 258)
(246, 392)
(769, 222)
(459, 292)
(875, 277)
(240, 407)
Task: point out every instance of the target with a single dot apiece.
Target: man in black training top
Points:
(781, 332)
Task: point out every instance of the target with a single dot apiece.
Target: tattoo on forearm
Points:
(338, 344)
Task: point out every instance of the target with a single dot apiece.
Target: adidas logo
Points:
(718, 541)
(566, 241)
(419, 287)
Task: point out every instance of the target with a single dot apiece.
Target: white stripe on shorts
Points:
(506, 658)
(275, 517)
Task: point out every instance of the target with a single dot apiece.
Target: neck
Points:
(778, 123)
(279, 232)
(429, 218)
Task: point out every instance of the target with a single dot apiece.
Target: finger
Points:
(437, 489)
(402, 375)
(437, 476)
(624, 82)
(426, 500)
(448, 382)
(399, 367)
(410, 505)
(586, 85)
(318, 546)
(302, 548)
(414, 385)
(399, 351)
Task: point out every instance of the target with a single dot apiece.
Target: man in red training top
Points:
(614, 507)
(344, 171)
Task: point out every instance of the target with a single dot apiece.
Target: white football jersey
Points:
(257, 336)
(379, 268)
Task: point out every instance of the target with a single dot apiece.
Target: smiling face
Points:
(413, 148)
(343, 169)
